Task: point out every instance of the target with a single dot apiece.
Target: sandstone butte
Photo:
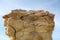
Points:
(29, 25)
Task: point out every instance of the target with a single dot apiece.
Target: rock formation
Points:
(29, 25)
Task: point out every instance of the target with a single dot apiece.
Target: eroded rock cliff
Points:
(29, 25)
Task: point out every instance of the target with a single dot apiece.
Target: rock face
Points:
(29, 25)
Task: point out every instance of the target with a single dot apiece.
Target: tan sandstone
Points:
(29, 25)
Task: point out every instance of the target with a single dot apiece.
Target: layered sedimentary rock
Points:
(29, 25)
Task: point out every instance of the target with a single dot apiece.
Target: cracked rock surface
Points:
(29, 25)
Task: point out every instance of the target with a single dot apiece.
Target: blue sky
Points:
(52, 6)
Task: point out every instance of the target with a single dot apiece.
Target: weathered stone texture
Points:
(29, 25)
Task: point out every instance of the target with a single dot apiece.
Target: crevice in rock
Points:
(14, 30)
